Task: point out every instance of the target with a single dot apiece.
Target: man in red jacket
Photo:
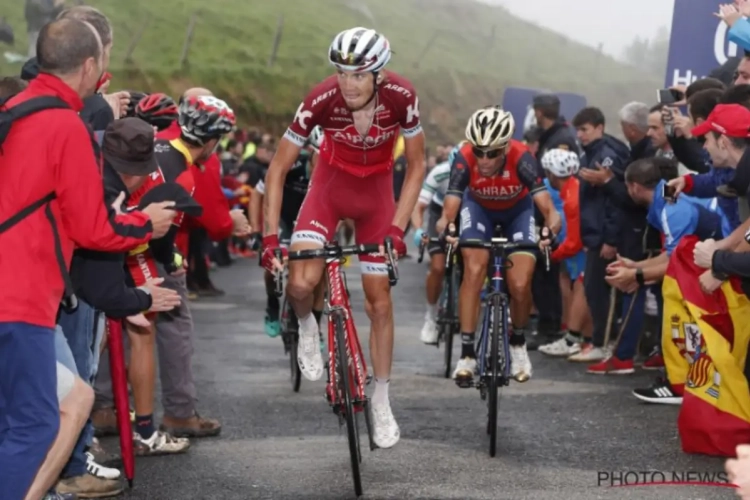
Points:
(50, 201)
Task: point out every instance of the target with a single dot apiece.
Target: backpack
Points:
(7, 117)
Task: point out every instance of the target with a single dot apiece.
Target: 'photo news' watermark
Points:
(621, 478)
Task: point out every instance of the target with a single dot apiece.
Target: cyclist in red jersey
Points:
(361, 109)
(495, 181)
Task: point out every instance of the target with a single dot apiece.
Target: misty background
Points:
(633, 31)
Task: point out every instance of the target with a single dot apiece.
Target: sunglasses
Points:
(491, 153)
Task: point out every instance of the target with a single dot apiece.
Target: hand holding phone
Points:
(669, 193)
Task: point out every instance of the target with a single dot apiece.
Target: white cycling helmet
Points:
(561, 163)
(316, 138)
(360, 50)
(490, 128)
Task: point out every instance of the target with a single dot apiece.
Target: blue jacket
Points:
(601, 217)
(701, 217)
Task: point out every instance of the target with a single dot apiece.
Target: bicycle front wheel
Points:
(494, 372)
(345, 388)
(449, 320)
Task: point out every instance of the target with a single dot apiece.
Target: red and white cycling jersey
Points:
(396, 113)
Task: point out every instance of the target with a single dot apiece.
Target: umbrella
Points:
(120, 392)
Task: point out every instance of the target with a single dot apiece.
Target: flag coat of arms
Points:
(705, 343)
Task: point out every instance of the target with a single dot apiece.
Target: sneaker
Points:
(589, 354)
(308, 355)
(271, 326)
(89, 486)
(385, 431)
(103, 457)
(464, 372)
(193, 427)
(654, 362)
(660, 393)
(429, 333)
(562, 348)
(105, 422)
(612, 366)
(160, 443)
(520, 364)
(100, 471)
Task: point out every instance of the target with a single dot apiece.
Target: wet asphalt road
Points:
(559, 433)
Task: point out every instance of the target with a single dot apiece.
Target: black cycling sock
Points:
(573, 337)
(144, 425)
(467, 345)
(318, 315)
(518, 337)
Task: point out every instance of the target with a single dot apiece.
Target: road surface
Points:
(560, 434)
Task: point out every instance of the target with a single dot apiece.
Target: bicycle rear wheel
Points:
(345, 388)
(291, 329)
(494, 372)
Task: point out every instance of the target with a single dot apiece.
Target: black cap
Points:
(30, 70)
(546, 100)
(128, 146)
(171, 191)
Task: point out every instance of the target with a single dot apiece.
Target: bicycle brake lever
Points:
(278, 277)
(390, 262)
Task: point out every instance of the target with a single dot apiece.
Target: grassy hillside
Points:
(478, 50)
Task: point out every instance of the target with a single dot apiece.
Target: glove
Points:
(270, 245)
(397, 236)
(418, 237)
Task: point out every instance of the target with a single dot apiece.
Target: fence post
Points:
(276, 41)
(137, 38)
(188, 40)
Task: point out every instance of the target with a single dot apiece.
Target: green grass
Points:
(478, 51)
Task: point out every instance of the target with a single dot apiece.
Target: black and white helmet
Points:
(204, 118)
(359, 50)
(316, 138)
(561, 163)
(490, 128)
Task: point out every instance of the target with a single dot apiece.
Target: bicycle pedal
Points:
(464, 383)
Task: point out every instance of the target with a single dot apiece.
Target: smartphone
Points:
(669, 96)
(668, 193)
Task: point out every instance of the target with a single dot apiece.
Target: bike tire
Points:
(449, 312)
(346, 391)
(494, 375)
(291, 327)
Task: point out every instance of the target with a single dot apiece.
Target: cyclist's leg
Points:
(434, 282)
(371, 226)
(315, 226)
(519, 226)
(475, 225)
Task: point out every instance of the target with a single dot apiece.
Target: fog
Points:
(613, 23)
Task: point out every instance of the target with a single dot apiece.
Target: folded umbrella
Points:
(120, 392)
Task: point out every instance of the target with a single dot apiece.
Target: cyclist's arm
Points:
(417, 216)
(415, 167)
(256, 204)
(528, 174)
(457, 184)
(282, 162)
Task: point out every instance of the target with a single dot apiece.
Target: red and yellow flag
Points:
(705, 342)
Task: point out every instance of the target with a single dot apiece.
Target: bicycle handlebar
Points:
(423, 245)
(335, 251)
(504, 244)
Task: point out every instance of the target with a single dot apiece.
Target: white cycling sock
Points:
(431, 312)
(308, 326)
(380, 396)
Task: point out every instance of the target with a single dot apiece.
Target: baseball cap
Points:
(171, 191)
(128, 146)
(731, 120)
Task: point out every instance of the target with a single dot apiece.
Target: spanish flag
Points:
(705, 342)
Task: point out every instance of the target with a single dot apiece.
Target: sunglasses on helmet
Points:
(487, 153)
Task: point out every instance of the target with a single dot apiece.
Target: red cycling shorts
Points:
(334, 195)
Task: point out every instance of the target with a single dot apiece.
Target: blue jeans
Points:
(628, 345)
(29, 410)
(83, 329)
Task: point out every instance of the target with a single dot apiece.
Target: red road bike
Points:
(347, 369)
